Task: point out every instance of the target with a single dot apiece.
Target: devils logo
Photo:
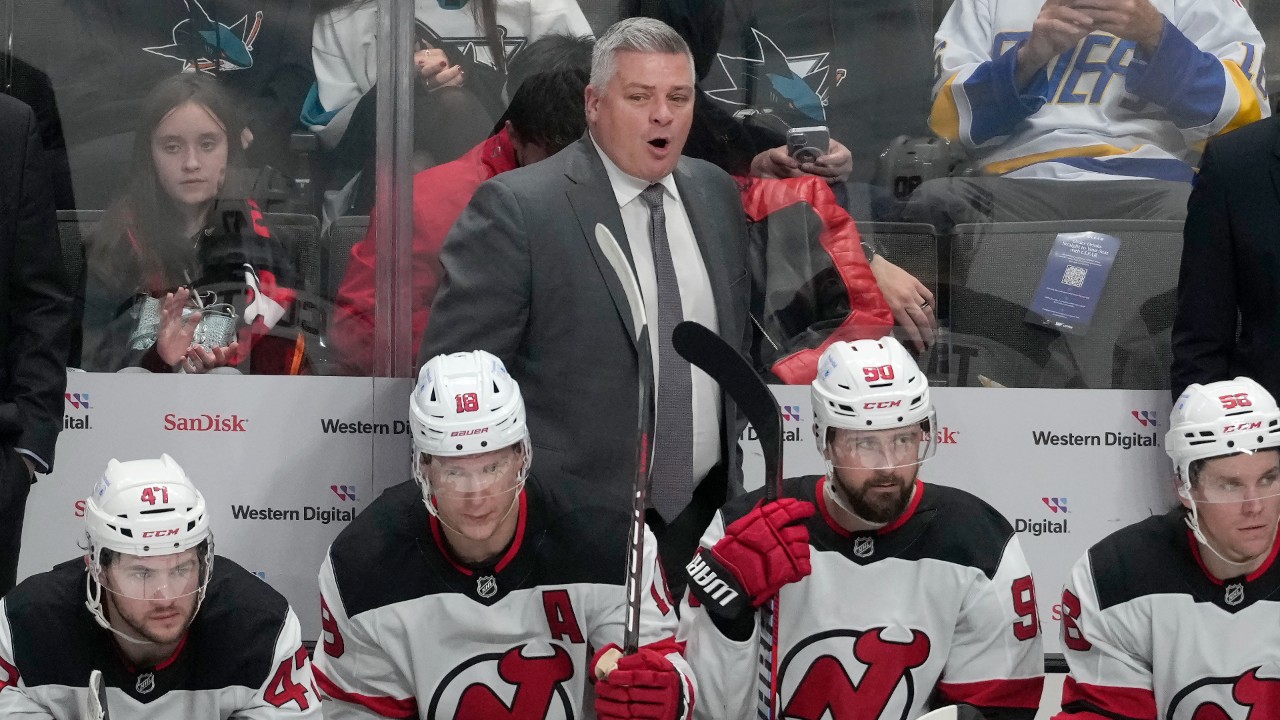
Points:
(816, 684)
(522, 683)
(1247, 697)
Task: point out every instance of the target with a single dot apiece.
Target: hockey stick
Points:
(644, 445)
(739, 380)
(96, 701)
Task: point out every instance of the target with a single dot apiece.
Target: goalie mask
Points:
(463, 409)
(872, 394)
(141, 518)
(1221, 419)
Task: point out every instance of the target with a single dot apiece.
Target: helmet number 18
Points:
(467, 402)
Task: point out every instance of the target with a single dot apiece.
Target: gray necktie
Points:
(673, 441)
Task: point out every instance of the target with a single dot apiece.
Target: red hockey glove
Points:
(644, 685)
(760, 553)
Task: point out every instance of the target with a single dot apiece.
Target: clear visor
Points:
(472, 478)
(1225, 489)
(881, 449)
(166, 577)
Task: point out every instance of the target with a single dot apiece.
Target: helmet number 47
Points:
(1234, 401)
(149, 495)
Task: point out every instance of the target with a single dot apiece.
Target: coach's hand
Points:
(643, 685)
(760, 553)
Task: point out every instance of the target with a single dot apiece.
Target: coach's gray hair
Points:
(637, 34)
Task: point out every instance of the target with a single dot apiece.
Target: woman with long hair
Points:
(180, 278)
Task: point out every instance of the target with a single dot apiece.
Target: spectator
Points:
(103, 58)
(1116, 98)
(35, 325)
(545, 116)
(1226, 322)
(1162, 619)
(180, 278)
(524, 280)
(462, 57)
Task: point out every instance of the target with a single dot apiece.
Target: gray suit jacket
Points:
(525, 280)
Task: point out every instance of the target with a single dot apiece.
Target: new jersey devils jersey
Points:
(241, 658)
(1148, 633)
(941, 600)
(1102, 109)
(408, 631)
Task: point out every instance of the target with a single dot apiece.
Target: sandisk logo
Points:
(1242, 427)
(205, 423)
(160, 533)
(883, 405)
(476, 431)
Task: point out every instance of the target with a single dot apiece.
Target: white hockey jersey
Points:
(410, 632)
(242, 657)
(1148, 633)
(1101, 110)
(940, 601)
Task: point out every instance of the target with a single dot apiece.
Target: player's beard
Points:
(136, 626)
(879, 507)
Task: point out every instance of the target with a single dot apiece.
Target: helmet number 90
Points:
(1233, 401)
(467, 402)
(149, 495)
(874, 374)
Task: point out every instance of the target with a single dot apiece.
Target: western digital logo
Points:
(344, 492)
(1124, 441)
(1147, 418)
(335, 426)
(1037, 528)
(79, 401)
(205, 423)
(791, 413)
(324, 516)
(1055, 505)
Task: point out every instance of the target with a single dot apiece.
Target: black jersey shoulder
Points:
(230, 643)
(1153, 557)
(388, 554)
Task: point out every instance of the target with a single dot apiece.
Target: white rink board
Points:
(281, 457)
(987, 445)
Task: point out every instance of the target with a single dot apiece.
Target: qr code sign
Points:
(1074, 276)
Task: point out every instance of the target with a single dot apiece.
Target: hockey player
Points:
(894, 594)
(176, 631)
(478, 593)
(1176, 616)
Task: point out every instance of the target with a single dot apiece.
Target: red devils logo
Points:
(1247, 697)
(816, 681)
(524, 683)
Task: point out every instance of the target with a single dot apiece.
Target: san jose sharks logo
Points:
(201, 43)
(770, 81)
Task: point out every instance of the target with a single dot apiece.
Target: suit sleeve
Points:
(996, 661)
(1204, 325)
(658, 622)
(39, 311)
(289, 692)
(356, 676)
(14, 700)
(1108, 679)
(726, 667)
(483, 301)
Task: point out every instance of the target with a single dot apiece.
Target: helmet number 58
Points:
(1234, 401)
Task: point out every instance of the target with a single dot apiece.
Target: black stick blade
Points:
(735, 376)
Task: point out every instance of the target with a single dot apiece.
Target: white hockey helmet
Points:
(1218, 419)
(465, 404)
(145, 508)
(871, 385)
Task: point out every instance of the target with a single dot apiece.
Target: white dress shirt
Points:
(695, 295)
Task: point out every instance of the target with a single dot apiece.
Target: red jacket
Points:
(439, 195)
(806, 294)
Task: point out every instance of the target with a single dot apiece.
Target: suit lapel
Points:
(593, 202)
(708, 238)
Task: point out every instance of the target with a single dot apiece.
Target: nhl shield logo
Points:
(487, 586)
(864, 546)
(1235, 594)
(146, 683)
